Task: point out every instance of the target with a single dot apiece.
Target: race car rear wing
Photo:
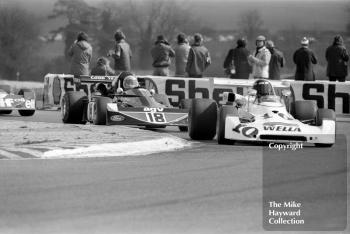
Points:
(104, 79)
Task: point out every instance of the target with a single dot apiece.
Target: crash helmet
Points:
(263, 88)
(130, 82)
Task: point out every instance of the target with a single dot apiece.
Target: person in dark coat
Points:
(161, 54)
(81, 53)
(277, 61)
(102, 68)
(337, 58)
(304, 59)
(198, 58)
(182, 50)
(238, 58)
(122, 53)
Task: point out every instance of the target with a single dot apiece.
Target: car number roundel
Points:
(155, 117)
(250, 132)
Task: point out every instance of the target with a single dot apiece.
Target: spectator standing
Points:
(181, 55)
(122, 53)
(260, 61)
(337, 58)
(81, 53)
(238, 57)
(102, 68)
(304, 58)
(198, 58)
(161, 54)
(277, 61)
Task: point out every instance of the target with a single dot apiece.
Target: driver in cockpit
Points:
(130, 82)
(263, 88)
(264, 91)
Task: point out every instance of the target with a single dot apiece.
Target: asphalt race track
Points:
(205, 189)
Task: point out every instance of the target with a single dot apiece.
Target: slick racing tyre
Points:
(162, 99)
(5, 112)
(320, 116)
(101, 110)
(184, 104)
(26, 112)
(32, 95)
(304, 110)
(225, 111)
(202, 119)
(22, 91)
(72, 107)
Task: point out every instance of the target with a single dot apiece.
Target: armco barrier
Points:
(334, 95)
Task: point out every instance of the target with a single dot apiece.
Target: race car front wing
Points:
(145, 116)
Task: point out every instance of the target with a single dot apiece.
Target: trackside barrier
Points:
(333, 95)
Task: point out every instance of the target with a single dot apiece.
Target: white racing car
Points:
(262, 115)
(23, 101)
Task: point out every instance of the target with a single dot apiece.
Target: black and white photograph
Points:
(174, 116)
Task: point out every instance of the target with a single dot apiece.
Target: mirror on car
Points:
(120, 90)
(228, 97)
(152, 91)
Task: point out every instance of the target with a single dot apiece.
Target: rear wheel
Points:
(72, 107)
(185, 104)
(6, 112)
(29, 94)
(202, 119)
(22, 91)
(225, 111)
(320, 116)
(101, 110)
(304, 110)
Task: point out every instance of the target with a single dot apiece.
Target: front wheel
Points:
(202, 119)
(304, 110)
(224, 112)
(101, 110)
(72, 107)
(6, 112)
(26, 112)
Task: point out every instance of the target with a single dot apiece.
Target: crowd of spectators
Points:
(191, 60)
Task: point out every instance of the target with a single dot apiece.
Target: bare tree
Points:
(251, 24)
(80, 16)
(18, 40)
(158, 17)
